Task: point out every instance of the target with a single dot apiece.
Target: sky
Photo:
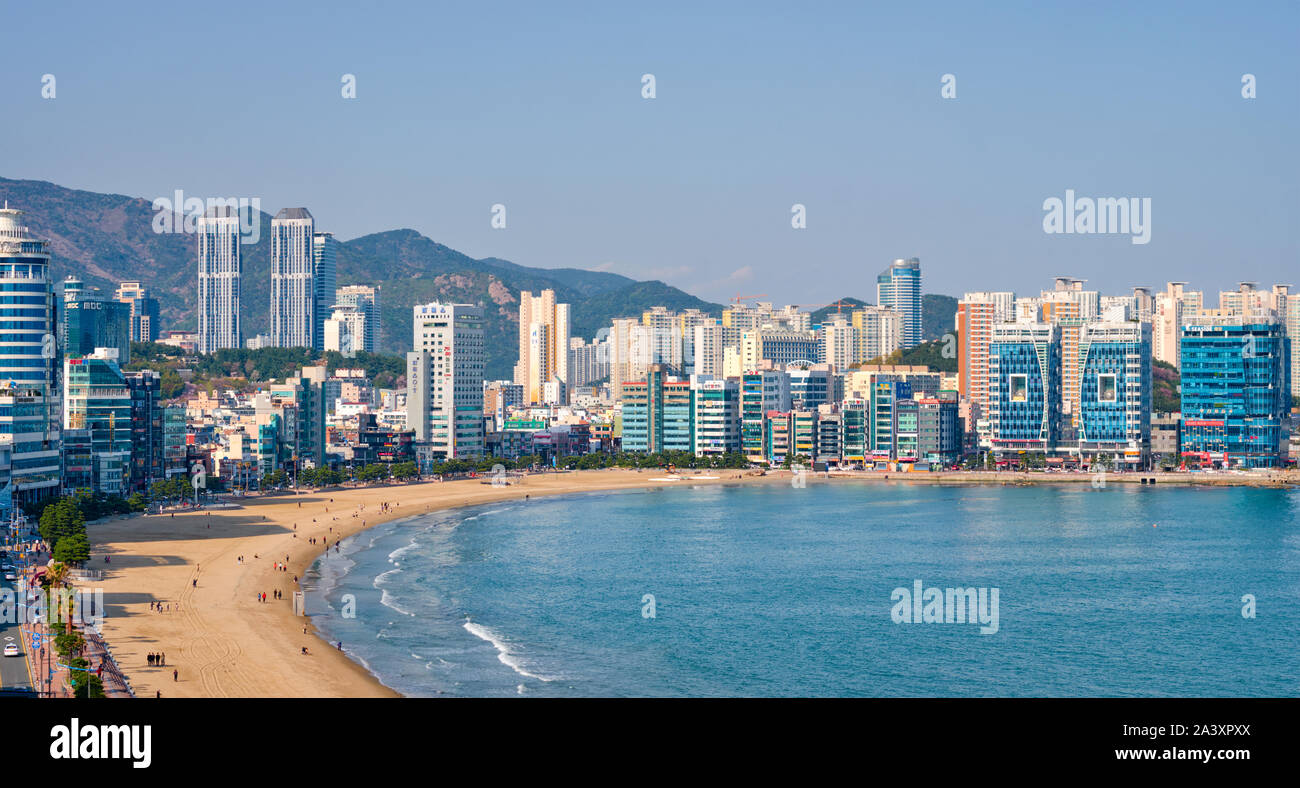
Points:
(757, 107)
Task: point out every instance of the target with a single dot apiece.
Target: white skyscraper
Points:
(364, 299)
(293, 286)
(444, 374)
(345, 331)
(219, 279)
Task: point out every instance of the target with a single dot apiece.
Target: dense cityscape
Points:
(1060, 380)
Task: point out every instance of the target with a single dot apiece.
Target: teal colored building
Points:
(1236, 391)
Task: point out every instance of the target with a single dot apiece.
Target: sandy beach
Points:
(219, 639)
(223, 642)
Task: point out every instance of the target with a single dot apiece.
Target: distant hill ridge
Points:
(109, 238)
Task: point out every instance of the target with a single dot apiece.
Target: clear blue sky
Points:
(759, 106)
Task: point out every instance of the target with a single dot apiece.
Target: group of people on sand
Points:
(159, 660)
(163, 607)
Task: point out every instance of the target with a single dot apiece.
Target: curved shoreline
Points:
(224, 643)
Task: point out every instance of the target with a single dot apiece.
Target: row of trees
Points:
(180, 488)
(62, 521)
(678, 459)
(1029, 460)
(376, 472)
(63, 527)
(259, 365)
(69, 644)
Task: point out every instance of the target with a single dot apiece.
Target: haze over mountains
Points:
(109, 238)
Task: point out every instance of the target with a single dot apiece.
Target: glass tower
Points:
(1236, 390)
(29, 403)
(898, 288)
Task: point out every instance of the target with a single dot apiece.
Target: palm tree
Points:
(57, 574)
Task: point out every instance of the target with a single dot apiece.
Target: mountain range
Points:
(109, 238)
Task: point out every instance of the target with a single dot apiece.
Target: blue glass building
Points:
(1024, 410)
(29, 399)
(1236, 390)
(898, 287)
(91, 321)
(888, 396)
(1115, 391)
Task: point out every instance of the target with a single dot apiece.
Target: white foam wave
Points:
(401, 551)
(503, 653)
(381, 580)
(388, 601)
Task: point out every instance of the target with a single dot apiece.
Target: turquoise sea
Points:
(771, 590)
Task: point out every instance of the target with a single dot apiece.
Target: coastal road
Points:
(14, 677)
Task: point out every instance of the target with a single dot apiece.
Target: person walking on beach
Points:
(176, 675)
(163, 657)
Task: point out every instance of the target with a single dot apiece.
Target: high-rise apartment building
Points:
(1144, 305)
(364, 299)
(543, 343)
(29, 400)
(588, 361)
(219, 279)
(977, 314)
(293, 284)
(878, 332)
(144, 310)
(1172, 307)
(444, 397)
(346, 331)
(1246, 300)
(839, 343)
(899, 288)
(1067, 298)
(1292, 319)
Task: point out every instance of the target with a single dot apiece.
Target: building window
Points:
(1106, 388)
(1019, 385)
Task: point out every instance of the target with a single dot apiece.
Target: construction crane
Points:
(737, 299)
(839, 306)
